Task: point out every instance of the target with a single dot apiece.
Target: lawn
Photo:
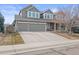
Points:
(11, 39)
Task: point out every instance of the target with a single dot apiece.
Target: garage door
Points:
(31, 27)
(22, 27)
(37, 27)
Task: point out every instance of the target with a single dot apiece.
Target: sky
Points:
(10, 10)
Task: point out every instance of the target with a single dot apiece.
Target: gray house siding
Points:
(48, 11)
(33, 9)
(23, 14)
(20, 18)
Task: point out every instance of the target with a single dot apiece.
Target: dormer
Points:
(48, 14)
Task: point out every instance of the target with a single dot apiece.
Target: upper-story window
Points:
(37, 15)
(33, 14)
(45, 17)
(51, 16)
(48, 16)
(29, 14)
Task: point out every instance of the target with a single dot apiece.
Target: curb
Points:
(17, 49)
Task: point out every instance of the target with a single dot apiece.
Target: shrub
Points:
(9, 29)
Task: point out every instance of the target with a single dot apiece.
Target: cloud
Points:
(55, 10)
(9, 12)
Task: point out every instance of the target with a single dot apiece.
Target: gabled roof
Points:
(29, 7)
(47, 11)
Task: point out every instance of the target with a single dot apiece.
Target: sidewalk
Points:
(16, 49)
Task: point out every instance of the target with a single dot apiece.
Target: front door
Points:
(50, 26)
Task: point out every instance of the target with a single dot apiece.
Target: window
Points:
(36, 15)
(52, 16)
(44, 16)
(48, 16)
(33, 14)
(29, 14)
(41, 16)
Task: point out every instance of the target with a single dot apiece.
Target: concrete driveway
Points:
(47, 43)
(32, 37)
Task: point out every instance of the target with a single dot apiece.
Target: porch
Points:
(59, 27)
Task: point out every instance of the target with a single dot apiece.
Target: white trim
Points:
(43, 16)
(35, 14)
(28, 14)
(29, 8)
(32, 22)
(38, 15)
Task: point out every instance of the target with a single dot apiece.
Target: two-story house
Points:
(31, 19)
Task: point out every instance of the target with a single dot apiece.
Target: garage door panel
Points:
(22, 27)
(37, 27)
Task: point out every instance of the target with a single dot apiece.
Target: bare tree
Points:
(71, 14)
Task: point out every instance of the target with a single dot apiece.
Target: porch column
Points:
(59, 27)
(45, 27)
(54, 26)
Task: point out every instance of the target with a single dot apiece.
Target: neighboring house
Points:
(31, 19)
(75, 25)
(59, 16)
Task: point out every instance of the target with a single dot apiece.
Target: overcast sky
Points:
(9, 10)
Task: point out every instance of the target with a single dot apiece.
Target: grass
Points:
(11, 39)
(17, 39)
